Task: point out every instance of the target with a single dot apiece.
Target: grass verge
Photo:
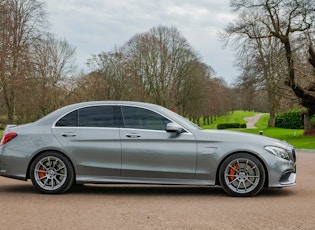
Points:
(292, 136)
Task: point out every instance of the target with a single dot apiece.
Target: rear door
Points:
(90, 136)
(148, 151)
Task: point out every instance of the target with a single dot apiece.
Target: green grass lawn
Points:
(292, 136)
(233, 117)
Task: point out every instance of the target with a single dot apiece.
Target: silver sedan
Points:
(133, 142)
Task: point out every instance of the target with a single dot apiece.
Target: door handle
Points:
(68, 134)
(133, 135)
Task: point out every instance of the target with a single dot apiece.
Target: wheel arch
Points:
(44, 151)
(217, 182)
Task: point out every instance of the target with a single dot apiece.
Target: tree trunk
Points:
(306, 122)
(272, 119)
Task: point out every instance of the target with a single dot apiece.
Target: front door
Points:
(148, 151)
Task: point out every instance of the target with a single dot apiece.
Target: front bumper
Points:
(283, 172)
(288, 179)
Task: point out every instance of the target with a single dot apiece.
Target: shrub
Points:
(290, 120)
(231, 125)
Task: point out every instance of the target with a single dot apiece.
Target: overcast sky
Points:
(95, 26)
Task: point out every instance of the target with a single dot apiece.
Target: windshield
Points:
(181, 120)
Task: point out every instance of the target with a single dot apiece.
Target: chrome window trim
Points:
(115, 104)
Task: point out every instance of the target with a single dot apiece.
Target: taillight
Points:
(7, 137)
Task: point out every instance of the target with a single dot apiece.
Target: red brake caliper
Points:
(232, 172)
(41, 174)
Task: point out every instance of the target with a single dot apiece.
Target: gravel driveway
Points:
(160, 207)
(251, 121)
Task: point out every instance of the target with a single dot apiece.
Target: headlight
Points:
(279, 152)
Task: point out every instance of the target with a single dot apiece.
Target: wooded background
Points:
(272, 40)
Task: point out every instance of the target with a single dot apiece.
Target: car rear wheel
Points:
(242, 175)
(52, 173)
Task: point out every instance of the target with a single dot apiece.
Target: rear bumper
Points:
(12, 166)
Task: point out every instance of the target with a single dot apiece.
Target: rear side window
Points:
(94, 116)
(70, 120)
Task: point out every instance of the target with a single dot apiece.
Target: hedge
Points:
(231, 125)
(290, 120)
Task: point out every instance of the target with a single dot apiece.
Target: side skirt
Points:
(126, 180)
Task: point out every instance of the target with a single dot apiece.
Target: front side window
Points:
(94, 116)
(139, 118)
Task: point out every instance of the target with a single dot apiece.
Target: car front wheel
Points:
(52, 173)
(242, 175)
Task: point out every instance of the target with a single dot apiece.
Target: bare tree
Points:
(109, 70)
(157, 66)
(159, 62)
(52, 63)
(283, 20)
(20, 25)
(264, 70)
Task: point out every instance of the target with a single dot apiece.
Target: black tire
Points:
(242, 174)
(52, 173)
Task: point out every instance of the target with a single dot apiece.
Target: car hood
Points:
(239, 137)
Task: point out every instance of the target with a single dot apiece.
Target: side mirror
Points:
(173, 128)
